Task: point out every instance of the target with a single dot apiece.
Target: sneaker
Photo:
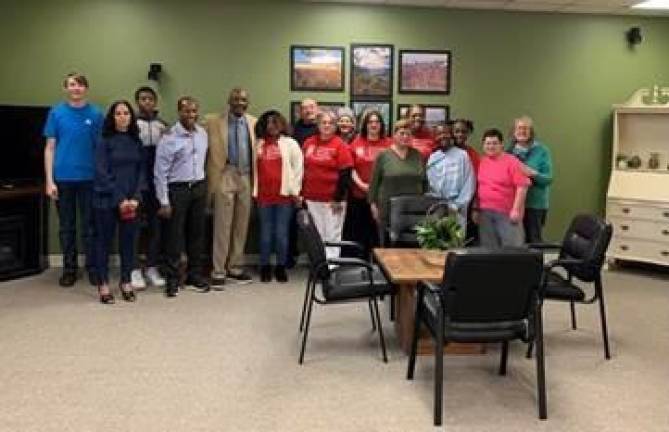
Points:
(154, 278)
(217, 283)
(280, 274)
(265, 273)
(67, 279)
(198, 283)
(137, 279)
(241, 278)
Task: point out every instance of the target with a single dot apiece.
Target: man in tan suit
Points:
(232, 153)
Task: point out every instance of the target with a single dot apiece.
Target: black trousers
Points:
(359, 226)
(533, 222)
(185, 228)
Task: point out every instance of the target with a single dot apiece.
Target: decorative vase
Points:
(634, 162)
(654, 161)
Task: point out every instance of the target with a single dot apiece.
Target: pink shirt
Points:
(498, 178)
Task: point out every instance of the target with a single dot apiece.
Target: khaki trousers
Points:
(232, 210)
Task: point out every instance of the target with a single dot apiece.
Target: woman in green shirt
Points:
(399, 170)
(539, 168)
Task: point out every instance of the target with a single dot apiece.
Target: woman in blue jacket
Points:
(119, 181)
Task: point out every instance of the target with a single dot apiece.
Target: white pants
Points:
(328, 223)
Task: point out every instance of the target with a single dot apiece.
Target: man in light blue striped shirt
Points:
(450, 174)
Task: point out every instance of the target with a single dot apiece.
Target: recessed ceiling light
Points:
(652, 4)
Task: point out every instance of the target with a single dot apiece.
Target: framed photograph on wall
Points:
(433, 113)
(295, 108)
(425, 71)
(385, 107)
(316, 68)
(371, 71)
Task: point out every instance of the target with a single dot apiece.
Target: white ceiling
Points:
(608, 7)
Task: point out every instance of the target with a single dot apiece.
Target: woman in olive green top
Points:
(399, 170)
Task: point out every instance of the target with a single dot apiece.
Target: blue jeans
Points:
(274, 227)
(70, 196)
(106, 221)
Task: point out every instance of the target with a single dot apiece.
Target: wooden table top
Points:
(410, 265)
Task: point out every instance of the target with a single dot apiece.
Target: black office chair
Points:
(581, 257)
(486, 296)
(404, 213)
(341, 280)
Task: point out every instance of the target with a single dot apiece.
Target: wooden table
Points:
(404, 268)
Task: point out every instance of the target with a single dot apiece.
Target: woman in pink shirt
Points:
(502, 187)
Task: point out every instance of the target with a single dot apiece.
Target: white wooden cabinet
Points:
(638, 198)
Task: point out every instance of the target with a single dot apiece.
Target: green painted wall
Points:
(564, 70)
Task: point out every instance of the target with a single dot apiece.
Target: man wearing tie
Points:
(232, 154)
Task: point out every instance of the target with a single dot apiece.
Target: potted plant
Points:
(439, 234)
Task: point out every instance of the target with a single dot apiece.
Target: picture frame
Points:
(295, 108)
(433, 113)
(371, 71)
(425, 71)
(385, 107)
(316, 68)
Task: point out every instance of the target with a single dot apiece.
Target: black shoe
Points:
(128, 295)
(217, 283)
(68, 279)
(93, 278)
(171, 289)
(241, 277)
(280, 274)
(106, 298)
(198, 283)
(265, 273)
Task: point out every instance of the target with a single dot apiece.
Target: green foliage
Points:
(440, 233)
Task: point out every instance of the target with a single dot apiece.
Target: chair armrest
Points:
(544, 246)
(351, 262)
(563, 262)
(344, 243)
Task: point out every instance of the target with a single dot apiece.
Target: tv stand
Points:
(23, 229)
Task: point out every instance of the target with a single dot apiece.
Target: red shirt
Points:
(269, 174)
(498, 180)
(474, 158)
(364, 154)
(322, 162)
(423, 141)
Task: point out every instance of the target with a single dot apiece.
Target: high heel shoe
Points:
(128, 295)
(105, 298)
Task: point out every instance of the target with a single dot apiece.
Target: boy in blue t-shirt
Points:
(71, 131)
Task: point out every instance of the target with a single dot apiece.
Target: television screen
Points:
(22, 143)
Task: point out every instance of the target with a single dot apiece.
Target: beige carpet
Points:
(228, 362)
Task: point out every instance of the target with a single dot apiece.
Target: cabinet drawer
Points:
(639, 250)
(640, 229)
(636, 211)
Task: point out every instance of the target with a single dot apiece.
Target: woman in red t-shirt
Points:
(276, 186)
(422, 138)
(327, 176)
(359, 225)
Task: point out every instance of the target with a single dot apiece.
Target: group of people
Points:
(128, 165)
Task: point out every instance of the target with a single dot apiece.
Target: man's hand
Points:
(516, 216)
(51, 190)
(375, 212)
(476, 216)
(165, 211)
